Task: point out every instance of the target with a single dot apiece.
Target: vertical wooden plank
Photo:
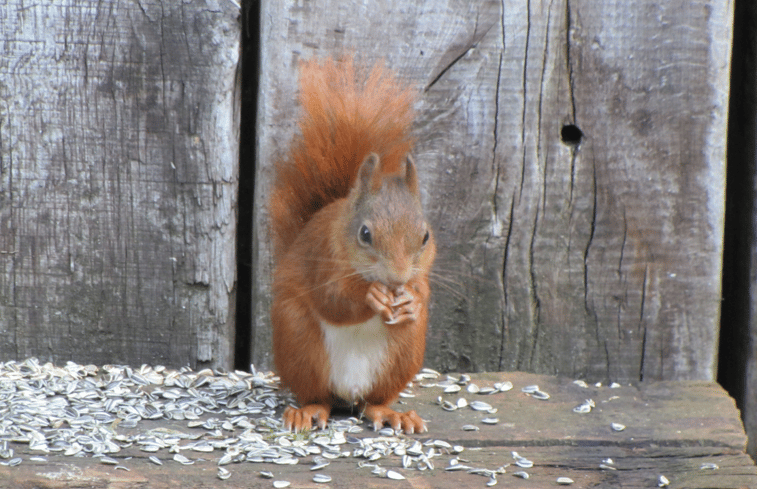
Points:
(596, 255)
(625, 254)
(118, 173)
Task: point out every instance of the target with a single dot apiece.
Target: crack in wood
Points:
(641, 324)
(506, 312)
(592, 231)
(533, 292)
(569, 61)
(476, 37)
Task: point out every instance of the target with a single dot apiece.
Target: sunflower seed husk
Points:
(182, 459)
(223, 473)
(480, 406)
(582, 409)
(429, 371)
(541, 395)
(617, 426)
(524, 463)
(321, 478)
(448, 406)
(564, 481)
(390, 474)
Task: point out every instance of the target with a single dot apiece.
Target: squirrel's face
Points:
(392, 249)
(391, 241)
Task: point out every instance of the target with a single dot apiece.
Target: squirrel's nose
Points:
(398, 278)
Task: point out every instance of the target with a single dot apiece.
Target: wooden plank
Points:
(118, 181)
(673, 428)
(559, 252)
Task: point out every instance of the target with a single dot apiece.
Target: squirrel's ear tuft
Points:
(411, 176)
(368, 174)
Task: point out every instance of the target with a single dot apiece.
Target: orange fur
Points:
(347, 113)
(349, 171)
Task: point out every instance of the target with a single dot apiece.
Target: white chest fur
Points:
(357, 354)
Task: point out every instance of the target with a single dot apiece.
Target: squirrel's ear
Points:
(411, 177)
(367, 172)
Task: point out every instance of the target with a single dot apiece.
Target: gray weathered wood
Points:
(118, 172)
(599, 259)
(672, 429)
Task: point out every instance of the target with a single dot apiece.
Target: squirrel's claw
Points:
(406, 313)
(402, 299)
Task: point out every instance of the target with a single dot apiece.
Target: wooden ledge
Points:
(673, 429)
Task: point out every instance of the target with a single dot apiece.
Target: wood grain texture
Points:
(599, 259)
(672, 429)
(118, 173)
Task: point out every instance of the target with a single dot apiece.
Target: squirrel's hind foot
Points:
(299, 419)
(408, 422)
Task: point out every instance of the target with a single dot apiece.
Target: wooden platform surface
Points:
(671, 429)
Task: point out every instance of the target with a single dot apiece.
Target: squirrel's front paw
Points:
(380, 299)
(395, 307)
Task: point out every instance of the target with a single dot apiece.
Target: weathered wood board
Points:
(572, 164)
(118, 180)
(672, 429)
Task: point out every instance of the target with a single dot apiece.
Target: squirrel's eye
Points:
(426, 237)
(364, 236)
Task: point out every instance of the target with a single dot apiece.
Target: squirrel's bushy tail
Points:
(347, 113)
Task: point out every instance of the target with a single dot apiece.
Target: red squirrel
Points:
(352, 249)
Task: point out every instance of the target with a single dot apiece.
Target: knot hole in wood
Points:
(571, 135)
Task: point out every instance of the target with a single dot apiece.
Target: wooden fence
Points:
(572, 159)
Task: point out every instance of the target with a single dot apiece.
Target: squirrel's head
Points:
(389, 238)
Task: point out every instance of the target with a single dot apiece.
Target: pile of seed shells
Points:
(225, 418)
(230, 417)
